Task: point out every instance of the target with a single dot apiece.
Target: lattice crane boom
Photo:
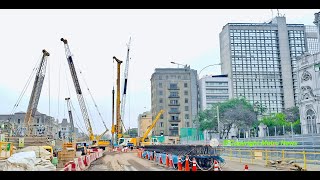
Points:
(35, 94)
(78, 89)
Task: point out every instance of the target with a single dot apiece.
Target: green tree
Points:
(280, 120)
(237, 111)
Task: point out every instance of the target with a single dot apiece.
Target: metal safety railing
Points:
(308, 159)
(6, 149)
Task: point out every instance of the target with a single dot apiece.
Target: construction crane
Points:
(73, 137)
(35, 94)
(123, 101)
(118, 127)
(78, 90)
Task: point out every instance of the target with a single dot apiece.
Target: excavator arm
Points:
(152, 125)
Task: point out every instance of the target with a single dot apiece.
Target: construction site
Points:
(30, 147)
(233, 121)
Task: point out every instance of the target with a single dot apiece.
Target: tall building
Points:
(312, 39)
(309, 93)
(260, 59)
(144, 122)
(213, 89)
(175, 91)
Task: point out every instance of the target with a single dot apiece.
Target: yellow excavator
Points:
(144, 140)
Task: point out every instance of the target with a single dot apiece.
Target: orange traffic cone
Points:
(216, 166)
(187, 167)
(167, 160)
(246, 168)
(179, 164)
(160, 159)
(194, 164)
(170, 161)
(151, 157)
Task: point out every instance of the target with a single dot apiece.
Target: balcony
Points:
(173, 128)
(174, 112)
(170, 96)
(178, 104)
(174, 120)
(173, 88)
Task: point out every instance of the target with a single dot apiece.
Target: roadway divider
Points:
(83, 162)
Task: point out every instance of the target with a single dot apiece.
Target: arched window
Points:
(311, 121)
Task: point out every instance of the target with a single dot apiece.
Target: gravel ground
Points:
(121, 161)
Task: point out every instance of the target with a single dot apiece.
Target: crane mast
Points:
(78, 89)
(35, 94)
(118, 127)
(71, 120)
(123, 101)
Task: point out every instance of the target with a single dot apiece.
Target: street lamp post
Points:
(185, 66)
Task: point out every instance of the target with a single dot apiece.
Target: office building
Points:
(260, 60)
(213, 89)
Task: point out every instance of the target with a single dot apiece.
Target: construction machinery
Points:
(118, 127)
(78, 90)
(96, 141)
(32, 136)
(124, 92)
(144, 140)
(72, 137)
(35, 94)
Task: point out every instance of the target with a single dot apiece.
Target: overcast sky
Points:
(95, 36)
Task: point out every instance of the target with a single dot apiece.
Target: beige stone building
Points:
(144, 122)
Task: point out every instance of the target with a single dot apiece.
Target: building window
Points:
(161, 116)
(174, 102)
(160, 100)
(18, 121)
(186, 108)
(186, 100)
(160, 92)
(161, 124)
(173, 86)
(311, 122)
(160, 77)
(185, 93)
(160, 85)
(185, 85)
(187, 124)
(174, 94)
(186, 116)
(174, 110)
(38, 120)
(174, 118)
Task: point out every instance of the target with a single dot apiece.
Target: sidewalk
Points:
(233, 164)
